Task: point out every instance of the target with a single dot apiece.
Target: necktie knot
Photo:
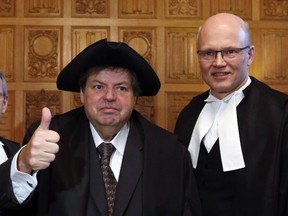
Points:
(105, 150)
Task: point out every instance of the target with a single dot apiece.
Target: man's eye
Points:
(97, 86)
(122, 88)
(209, 53)
(230, 51)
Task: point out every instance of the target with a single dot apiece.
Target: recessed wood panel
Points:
(43, 53)
(181, 56)
(92, 8)
(241, 8)
(7, 51)
(47, 8)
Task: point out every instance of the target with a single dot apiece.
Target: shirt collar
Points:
(119, 141)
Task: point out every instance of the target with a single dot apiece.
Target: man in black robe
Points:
(62, 162)
(237, 132)
(7, 149)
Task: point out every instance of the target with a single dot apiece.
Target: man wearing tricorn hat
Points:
(149, 172)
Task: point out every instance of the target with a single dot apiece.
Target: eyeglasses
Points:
(227, 54)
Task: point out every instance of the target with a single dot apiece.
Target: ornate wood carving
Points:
(183, 8)
(137, 8)
(274, 9)
(90, 8)
(36, 100)
(43, 8)
(83, 37)
(142, 40)
(7, 51)
(145, 105)
(175, 103)
(184, 68)
(42, 48)
(274, 53)
(76, 102)
(241, 8)
(7, 8)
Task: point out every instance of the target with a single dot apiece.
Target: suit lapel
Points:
(131, 170)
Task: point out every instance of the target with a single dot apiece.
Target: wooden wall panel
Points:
(183, 9)
(38, 38)
(181, 43)
(7, 35)
(43, 53)
(47, 8)
(241, 8)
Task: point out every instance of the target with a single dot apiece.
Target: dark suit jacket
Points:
(10, 148)
(262, 186)
(156, 177)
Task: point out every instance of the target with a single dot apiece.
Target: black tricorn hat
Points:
(102, 53)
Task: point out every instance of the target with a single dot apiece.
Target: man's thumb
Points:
(45, 119)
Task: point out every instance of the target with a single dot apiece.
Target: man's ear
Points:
(251, 54)
(81, 96)
(5, 104)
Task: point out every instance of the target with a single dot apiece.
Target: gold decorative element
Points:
(91, 8)
(35, 101)
(43, 54)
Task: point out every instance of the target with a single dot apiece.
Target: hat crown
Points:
(110, 53)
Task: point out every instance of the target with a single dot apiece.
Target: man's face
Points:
(108, 98)
(224, 76)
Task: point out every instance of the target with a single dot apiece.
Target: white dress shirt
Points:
(3, 156)
(119, 142)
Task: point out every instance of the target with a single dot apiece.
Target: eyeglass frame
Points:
(224, 53)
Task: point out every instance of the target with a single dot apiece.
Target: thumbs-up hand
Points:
(41, 149)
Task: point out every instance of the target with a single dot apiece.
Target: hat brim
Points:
(109, 53)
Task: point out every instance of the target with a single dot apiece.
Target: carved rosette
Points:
(43, 54)
(35, 101)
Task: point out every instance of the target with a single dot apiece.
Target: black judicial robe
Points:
(10, 148)
(156, 176)
(261, 188)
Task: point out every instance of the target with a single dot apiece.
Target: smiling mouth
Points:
(220, 74)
